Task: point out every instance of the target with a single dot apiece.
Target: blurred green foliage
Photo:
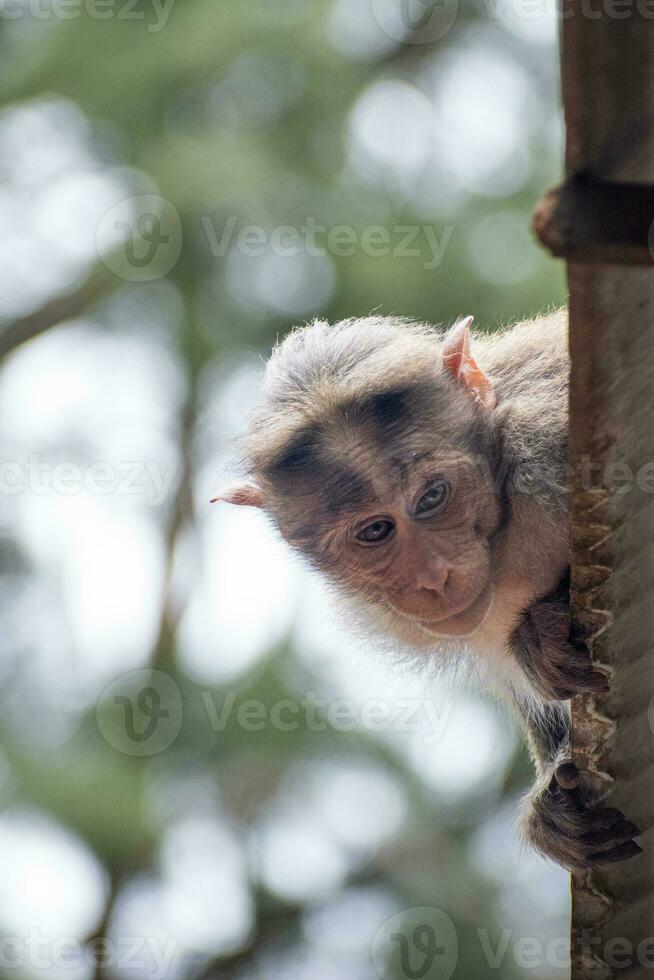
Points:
(245, 113)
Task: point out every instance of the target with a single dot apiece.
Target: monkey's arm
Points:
(556, 667)
(558, 818)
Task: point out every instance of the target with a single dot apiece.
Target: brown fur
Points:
(357, 423)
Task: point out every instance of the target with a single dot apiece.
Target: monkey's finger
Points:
(579, 671)
(619, 832)
(578, 676)
(591, 684)
(566, 776)
(595, 683)
(621, 853)
(606, 817)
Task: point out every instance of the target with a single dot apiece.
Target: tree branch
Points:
(55, 311)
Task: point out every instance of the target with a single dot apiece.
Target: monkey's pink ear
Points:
(457, 358)
(246, 494)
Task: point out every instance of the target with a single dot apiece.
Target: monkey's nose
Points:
(433, 576)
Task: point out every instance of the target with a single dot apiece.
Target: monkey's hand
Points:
(574, 832)
(556, 666)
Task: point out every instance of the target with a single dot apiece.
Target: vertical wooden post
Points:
(608, 92)
(612, 525)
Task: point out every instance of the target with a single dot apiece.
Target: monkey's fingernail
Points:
(621, 853)
(567, 776)
(606, 817)
(624, 831)
(601, 682)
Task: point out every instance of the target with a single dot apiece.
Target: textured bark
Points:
(608, 89)
(612, 426)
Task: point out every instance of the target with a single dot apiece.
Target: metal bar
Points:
(591, 220)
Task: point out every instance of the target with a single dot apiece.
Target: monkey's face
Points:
(411, 533)
(423, 548)
(373, 452)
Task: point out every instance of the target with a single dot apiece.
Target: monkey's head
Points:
(372, 451)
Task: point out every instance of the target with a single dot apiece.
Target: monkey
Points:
(424, 473)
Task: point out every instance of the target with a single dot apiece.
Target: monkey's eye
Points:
(376, 532)
(433, 499)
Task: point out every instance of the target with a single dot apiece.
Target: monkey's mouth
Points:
(455, 622)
